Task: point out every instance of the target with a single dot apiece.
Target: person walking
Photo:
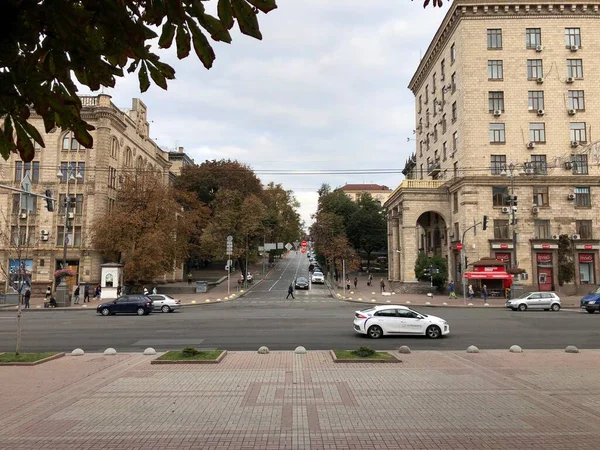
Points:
(290, 292)
(451, 289)
(145, 290)
(347, 283)
(119, 290)
(86, 293)
(189, 277)
(98, 292)
(76, 295)
(154, 290)
(471, 292)
(484, 293)
(370, 279)
(382, 285)
(355, 282)
(27, 296)
(48, 292)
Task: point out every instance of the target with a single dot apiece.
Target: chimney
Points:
(180, 149)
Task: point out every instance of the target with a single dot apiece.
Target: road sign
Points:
(288, 246)
(230, 238)
(459, 246)
(303, 249)
(296, 244)
(303, 243)
(26, 200)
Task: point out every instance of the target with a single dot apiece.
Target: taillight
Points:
(361, 316)
(177, 302)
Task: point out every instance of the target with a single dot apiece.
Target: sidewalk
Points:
(432, 400)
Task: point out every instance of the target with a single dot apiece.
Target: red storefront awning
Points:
(488, 275)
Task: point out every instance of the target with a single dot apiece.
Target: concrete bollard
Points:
(300, 350)
(408, 302)
(360, 299)
(387, 301)
(193, 302)
(263, 350)
(472, 349)
(373, 300)
(430, 295)
(445, 304)
(427, 304)
(470, 304)
(486, 304)
(110, 351)
(515, 349)
(404, 349)
(149, 351)
(77, 352)
(571, 349)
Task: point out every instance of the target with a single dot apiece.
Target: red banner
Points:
(544, 257)
(504, 257)
(586, 257)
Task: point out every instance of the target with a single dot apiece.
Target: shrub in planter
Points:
(364, 352)
(188, 352)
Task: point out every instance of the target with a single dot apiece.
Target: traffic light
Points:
(459, 268)
(49, 200)
(484, 224)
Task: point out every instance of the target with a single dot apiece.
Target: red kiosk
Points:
(491, 272)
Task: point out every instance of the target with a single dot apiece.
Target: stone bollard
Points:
(408, 302)
(470, 304)
(486, 304)
(263, 350)
(571, 349)
(515, 349)
(472, 349)
(77, 352)
(404, 349)
(300, 350)
(110, 351)
(427, 304)
(444, 304)
(149, 351)
(430, 295)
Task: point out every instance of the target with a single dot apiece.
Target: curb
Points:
(33, 363)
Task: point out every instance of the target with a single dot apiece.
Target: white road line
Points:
(281, 275)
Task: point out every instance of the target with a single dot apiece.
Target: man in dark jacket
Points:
(290, 291)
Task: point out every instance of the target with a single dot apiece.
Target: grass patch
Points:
(350, 354)
(24, 357)
(190, 356)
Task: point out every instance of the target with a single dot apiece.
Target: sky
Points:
(326, 89)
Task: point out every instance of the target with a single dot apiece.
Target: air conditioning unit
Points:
(570, 79)
(531, 145)
(568, 165)
(572, 111)
(574, 144)
(23, 216)
(497, 112)
(574, 48)
(529, 171)
(575, 237)
(571, 196)
(556, 237)
(540, 112)
(505, 209)
(535, 210)
(71, 215)
(538, 48)
(540, 80)
(44, 232)
(44, 238)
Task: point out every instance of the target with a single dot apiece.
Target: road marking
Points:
(282, 272)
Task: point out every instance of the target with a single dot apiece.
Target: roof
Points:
(378, 307)
(365, 187)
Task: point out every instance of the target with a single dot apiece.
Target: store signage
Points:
(504, 257)
(459, 246)
(502, 246)
(544, 257)
(546, 246)
(488, 269)
(586, 257)
(587, 246)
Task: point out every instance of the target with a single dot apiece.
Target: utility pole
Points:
(513, 216)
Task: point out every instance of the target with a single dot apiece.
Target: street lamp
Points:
(71, 173)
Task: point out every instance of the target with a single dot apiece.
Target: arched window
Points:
(140, 163)
(128, 157)
(150, 168)
(69, 143)
(114, 149)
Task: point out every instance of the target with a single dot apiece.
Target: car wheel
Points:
(105, 311)
(165, 309)
(375, 332)
(555, 307)
(591, 311)
(433, 332)
(522, 307)
(141, 311)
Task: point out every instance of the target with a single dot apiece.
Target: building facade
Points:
(121, 145)
(379, 192)
(506, 103)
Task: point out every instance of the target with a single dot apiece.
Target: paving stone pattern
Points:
(433, 400)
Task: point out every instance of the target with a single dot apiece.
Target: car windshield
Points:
(596, 291)
(319, 274)
(525, 295)
(301, 280)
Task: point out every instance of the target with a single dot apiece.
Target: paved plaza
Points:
(432, 400)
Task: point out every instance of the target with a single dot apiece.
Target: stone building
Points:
(121, 144)
(506, 103)
(379, 192)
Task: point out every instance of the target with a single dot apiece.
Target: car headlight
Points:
(591, 302)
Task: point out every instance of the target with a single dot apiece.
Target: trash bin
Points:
(201, 287)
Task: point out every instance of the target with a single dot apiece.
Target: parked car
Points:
(591, 302)
(535, 300)
(384, 320)
(301, 283)
(127, 304)
(317, 277)
(164, 303)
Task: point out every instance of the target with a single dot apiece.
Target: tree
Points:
(148, 230)
(39, 55)
(337, 202)
(282, 221)
(566, 264)
(367, 227)
(437, 267)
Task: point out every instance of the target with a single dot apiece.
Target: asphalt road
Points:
(312, 319)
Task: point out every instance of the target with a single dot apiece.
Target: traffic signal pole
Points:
(463, 255)
(45, 196)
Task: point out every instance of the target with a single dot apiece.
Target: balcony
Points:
(421, 184)
(433, 169)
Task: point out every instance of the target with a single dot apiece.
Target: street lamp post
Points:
(513, 213)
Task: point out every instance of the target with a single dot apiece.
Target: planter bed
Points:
(27, 359)
(204, 357)
(346, 356)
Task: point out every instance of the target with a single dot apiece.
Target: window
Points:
(534, 69)
(454, 112)
(70, 143)
(456, 169)
(582, 197)
(420, 127)
(436, 104)
(496, 101)
(455, 202)
(128, 157)
(453, 82)
(576, 100)
(452, 53)
(494, 38)
(577, 131)
(580, 164)
(497, 133)
(584, 228)
(420, 104)
(498, 163)
(435, 133)
(495, 71)
(539, 164)
(537, 132)
(114, 149)
(443, 70)
(421, 171)
(444, 124)
(433, 83)
(572, 37)
(454, 142)
(73, 237)
(499, 194)
(79, 168)
(420, 148)
(111, 204)
(501, 229)
(445, 150)
(427, 119)
(20, 236)
(19, 206)
(427, 94)
(21, 169)
(541, 229)
(575, 68)
(78, 209)
(112, 177)
(533, 37)
(536, 100)
(540, 196)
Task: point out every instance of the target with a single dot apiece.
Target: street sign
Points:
(296, 244)
(230, 238)
(303, 243)
(26, 200)
(303, 249)
(288, 246)
(459, 246)
(270, 246)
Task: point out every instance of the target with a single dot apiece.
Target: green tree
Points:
(566, 264)
(282, 221)
(437, 267)
(46, 45)
(367, 227)
(337, 202)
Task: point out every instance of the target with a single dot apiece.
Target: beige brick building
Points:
(505, 85)
(121, 144)
(379, 192)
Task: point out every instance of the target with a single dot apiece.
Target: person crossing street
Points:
(290, 291)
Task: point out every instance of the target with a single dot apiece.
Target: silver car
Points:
(535, 300)
(165, 303)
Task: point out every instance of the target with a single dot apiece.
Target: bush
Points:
(188, 352)
(364, 352)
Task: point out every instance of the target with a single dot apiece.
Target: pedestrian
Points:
(290, 291)
(86, 293)
(98, 292)
(355, 282)
(76, 295)
(347, 283)
(451, 289)
(118, 290)
(189, 276)
(145, 290)
(484, 293)
(471, 292)
(382, 285)
(48, 292)
(27, 296)
(370, 279)
(52, 303)
(154, 290)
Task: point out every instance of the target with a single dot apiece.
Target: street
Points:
(313, 319)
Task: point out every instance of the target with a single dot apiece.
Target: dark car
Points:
(591, 302)
(127, 304)
(301, 283)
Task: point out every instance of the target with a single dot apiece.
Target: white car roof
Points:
(379, 307)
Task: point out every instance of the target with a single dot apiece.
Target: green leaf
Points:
(33, 132)
(183, 42)
(215, 28)
(132, 66)
(264, 5)
(165, 69)
(166, 37)
(202, 47)
(225, 12)
(157, 76)
(8, 128)
(247, 20)
(24, 145)
(143, 77)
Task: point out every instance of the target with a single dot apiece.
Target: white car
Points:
(164, 302)
(535, 300)
(383, 320)
(318, 277)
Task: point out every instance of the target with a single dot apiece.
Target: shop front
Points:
(544, 271)
(503, 252)
(490, 272)
(585, 260)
